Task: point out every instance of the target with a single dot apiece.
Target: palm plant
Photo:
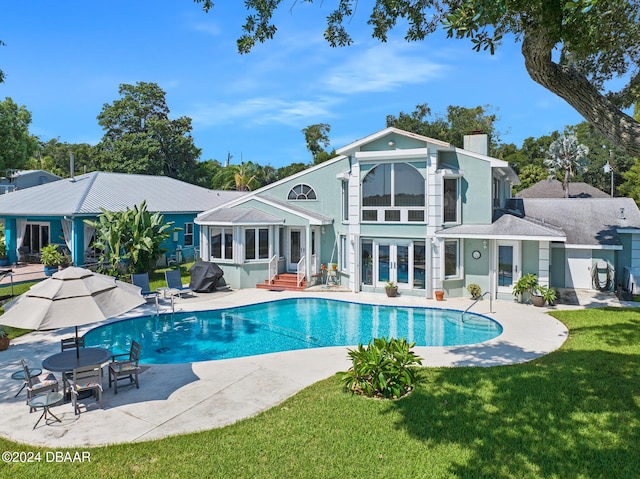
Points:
(567, 156)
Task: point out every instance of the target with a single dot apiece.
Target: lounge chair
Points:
(174, 283)
(36, 386)
(141, 280)
(125, 368)
(86, 378)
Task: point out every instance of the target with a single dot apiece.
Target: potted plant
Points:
(543, 294)
(474, 290)
(527, 284)
(391, 289)
(51, 258)
(439, 294)
(4, 340)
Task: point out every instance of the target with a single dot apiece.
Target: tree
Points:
(131, 237)
(54, 156)
(566, 156)
(598, 40)
(16, 144)
(458, 122)
(242, 177)
(140, 138)
(316, 136)
(530, 175)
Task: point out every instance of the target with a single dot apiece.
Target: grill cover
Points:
(204, 276)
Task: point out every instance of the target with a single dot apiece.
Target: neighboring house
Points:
(397, 206)
(21, 179)
(55, 212)
(552, 188)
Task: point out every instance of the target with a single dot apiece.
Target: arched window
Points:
(302, 192)
(389, 189)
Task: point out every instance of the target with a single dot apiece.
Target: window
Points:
(496, 193)
(343, 253)
(450, 196)
(345, 201)
(451, 257)
(367, 262)
(256, 242)
(302, 192)
(188, 234)
(221, 243)
(419, 265)
(393, 192)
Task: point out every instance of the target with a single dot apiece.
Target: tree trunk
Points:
(576, 90)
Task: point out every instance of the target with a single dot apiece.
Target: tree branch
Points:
(576, 90)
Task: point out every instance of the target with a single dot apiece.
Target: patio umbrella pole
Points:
(77, 345)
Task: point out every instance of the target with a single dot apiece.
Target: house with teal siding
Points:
(403, 208)
(55, 213)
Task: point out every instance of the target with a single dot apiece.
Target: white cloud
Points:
(263, 110)
(384, 67)
(209, 28)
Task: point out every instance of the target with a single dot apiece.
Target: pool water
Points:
(285, 325)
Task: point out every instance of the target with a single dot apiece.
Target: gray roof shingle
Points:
(552, 188)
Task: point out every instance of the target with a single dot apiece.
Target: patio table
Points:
(45, 401)
(67, 360)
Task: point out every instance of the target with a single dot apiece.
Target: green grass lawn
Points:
(574, 413)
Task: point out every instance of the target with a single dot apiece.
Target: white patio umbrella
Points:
(71, 297)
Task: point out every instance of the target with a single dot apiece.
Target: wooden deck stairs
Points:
(283, 282)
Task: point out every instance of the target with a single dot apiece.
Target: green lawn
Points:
(572, 414)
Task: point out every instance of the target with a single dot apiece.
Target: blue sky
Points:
(65, 60)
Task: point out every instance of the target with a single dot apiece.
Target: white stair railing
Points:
(273, 268)
(301, 271)
(314, 264)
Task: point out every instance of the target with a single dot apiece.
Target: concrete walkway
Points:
(183, 398)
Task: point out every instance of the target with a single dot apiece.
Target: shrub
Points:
(381, 369)
(474, 290)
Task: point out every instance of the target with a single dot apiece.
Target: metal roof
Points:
(239, 216)
(87, 194)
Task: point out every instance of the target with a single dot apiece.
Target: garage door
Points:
(578, 269)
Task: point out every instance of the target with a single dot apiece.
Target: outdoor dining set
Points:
(70, 298)
(82, 372)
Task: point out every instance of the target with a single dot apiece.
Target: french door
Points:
(394, 263)
(509, 269)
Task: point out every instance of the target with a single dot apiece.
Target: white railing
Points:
(314, 264)
(273, 268)
(302, 270)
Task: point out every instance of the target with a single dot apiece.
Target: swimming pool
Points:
(285, 325)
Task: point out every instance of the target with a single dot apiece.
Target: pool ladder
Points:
(474, 303)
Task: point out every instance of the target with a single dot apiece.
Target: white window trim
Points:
(223, 258)
(311, 188)
(404, 210)
(458, 200)
(459, 255)
(257, 229)
(187, 234)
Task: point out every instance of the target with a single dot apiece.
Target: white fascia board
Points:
(610, 247)
(501, 237)
(254, 194)
(240, 223)
(392, 154)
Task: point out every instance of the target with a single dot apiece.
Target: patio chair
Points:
(70, 343)
(86, 378)
(141, 280)
(174, 283)
(125, 368)
(36, 386)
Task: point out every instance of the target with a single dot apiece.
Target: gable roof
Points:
(552, 188)
(86, 194)
(586, 221)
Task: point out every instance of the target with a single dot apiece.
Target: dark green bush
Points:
(381, 369)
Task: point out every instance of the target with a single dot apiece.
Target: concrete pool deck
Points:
(183, 398)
